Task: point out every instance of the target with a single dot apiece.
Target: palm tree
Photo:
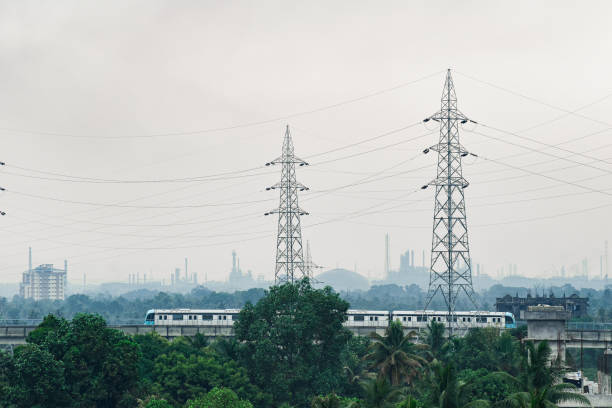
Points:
(537, 382)
(394, 355)
(547, 397)
(536, 370)
(409, 402)
(379, 393)
(329, 401)
(450, 392)
(199, 341)
(435, 337)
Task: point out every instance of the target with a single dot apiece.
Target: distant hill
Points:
(342, 279)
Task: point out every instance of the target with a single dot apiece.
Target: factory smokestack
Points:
(387, 258)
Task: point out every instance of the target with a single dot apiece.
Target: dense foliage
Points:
(293, 339)
(290, 351)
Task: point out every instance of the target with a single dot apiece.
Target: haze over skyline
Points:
(94, 94)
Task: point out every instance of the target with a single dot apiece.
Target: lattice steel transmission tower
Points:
(290, 264)
(451, 265)
(310, 265)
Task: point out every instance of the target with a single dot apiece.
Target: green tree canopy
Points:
(219, 398)
(394, 355)
(292, 340)
(100, 365)
(37, 379)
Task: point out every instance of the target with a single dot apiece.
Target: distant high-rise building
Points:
(43, 282)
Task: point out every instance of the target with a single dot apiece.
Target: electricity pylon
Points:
(310, 265)
(451, 265)
(290, 265)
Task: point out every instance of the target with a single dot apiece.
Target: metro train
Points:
(355, 318)
(192, 317)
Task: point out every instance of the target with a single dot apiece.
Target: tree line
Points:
(132, 307)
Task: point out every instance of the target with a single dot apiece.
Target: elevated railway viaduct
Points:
(544, 323)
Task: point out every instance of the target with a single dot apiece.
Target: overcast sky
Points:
(79, 80)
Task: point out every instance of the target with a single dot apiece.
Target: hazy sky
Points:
(78, 80)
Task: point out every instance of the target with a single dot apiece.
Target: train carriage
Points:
(192, 317)
(420, 319)
(367, 318)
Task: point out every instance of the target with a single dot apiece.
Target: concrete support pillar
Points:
(548, 323)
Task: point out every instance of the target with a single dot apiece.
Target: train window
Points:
(165, 317)
(420, 318)
(160, 317)
(189, 317)
(150, 317)
(371, 318)
(481, 319)
(358, 318)
(236, 317)
(464, 319)
(404, 318)
(177, 317)
(509, 320)
(224, 317)
(409, 318)
(207, 317)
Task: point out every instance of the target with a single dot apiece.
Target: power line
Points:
(135, 206)
(230, 127)
(566, 158)
(552, 146)
(216, 176)
(532, 99)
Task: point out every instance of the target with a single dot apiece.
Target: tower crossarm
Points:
(288, 160)
(283, 184)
